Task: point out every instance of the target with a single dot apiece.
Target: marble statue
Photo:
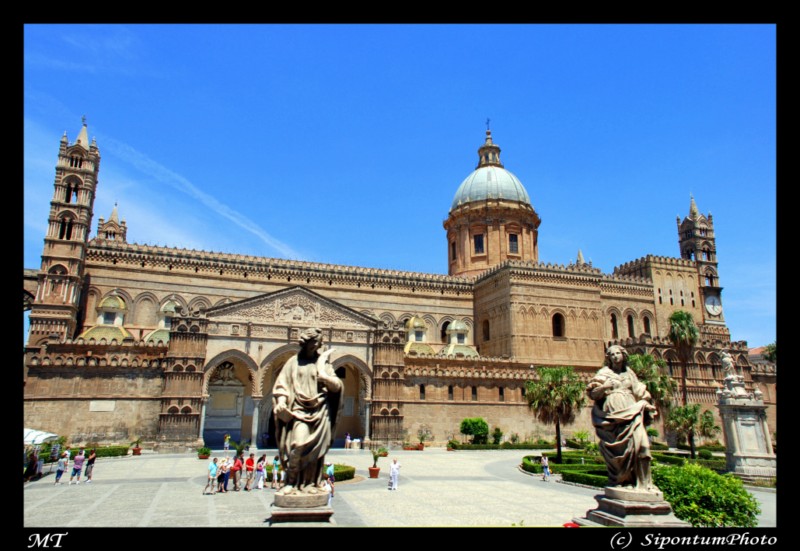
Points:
(306, 404)
(622, 409)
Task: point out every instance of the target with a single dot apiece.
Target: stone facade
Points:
(182, 346)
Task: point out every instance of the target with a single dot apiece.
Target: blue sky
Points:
(345, 144)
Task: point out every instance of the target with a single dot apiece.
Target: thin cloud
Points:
(178, 182)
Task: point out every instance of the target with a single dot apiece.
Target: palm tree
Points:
(555, 398)
(771, 352)
(687, 421)
(651, 372)
(683, 334)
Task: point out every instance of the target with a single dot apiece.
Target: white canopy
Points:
(34, 437)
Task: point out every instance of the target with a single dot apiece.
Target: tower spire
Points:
(489, 153)
(693, 212)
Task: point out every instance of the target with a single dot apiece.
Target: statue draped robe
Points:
(620, 416)
(304, 439)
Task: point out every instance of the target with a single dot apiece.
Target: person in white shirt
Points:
(394, 472)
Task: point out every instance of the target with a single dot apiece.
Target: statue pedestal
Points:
(306, 508)
(631, 508)
(748, 446)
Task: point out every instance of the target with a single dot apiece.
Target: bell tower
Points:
(54, 311)
(698, 243)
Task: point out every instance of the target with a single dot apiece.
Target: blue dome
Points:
(490, 182)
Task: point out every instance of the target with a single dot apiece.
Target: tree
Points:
(770, 352)
(687, 421)
(683, 334)
(477, 427)
(652, 373)
(555, 398)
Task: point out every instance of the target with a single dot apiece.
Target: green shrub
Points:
(658, 446)
(343, 472)
(477, 427)
(574, 443)
(704, 454)
(704, 498)
(453, 444)
(497, 435)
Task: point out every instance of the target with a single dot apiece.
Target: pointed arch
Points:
(199, 304)
(143, 310)
(228, 356)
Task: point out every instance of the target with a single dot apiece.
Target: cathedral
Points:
(179, 347)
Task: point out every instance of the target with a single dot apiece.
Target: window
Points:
(108, 318)
(614, 333)
(513, 243)
(486, 330)
(474, 394)
(647, 325)
(478, 239)
(558, 325)
(630, 326)
(418, 336)
(659, 296)
(167, 322)
(460, 338)
(450, 392)
(421, 392)
(445, 325)
(502, 394)
(453, 250)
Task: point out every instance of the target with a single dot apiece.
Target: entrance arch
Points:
(356, 396)
(229, 403)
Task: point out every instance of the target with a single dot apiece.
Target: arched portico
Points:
(228, 405)
(357, 395)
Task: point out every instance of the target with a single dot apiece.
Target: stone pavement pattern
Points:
(436, 489)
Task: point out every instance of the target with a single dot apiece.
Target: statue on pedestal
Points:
(622, 410)
(306, 404)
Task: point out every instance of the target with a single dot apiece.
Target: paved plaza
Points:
(436, 489)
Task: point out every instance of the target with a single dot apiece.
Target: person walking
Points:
(394, 473)
(261, 466)
(221, 471)
(77, 466)
(226, 475)
(226, 445)
(236, 472)
(90, 465)
(329, 475)
(212, 477)
(60, 468)
(545, 468)
(276, 468)
(250, 471)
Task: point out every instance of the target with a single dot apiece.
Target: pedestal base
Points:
(631, 508)
(306, 508)
(316, 515)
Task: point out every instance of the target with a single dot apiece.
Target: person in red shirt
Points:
(250, 470)
(236, 471)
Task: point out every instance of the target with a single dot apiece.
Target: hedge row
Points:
(530, 463)
(575, 458)
(590, 478)
(340, 472)
(709, 447)
(505, 446)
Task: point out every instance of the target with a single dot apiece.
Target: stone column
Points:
(367, 420)
(254, 425)
(202, 416)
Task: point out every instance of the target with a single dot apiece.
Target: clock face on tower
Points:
(713, 305)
